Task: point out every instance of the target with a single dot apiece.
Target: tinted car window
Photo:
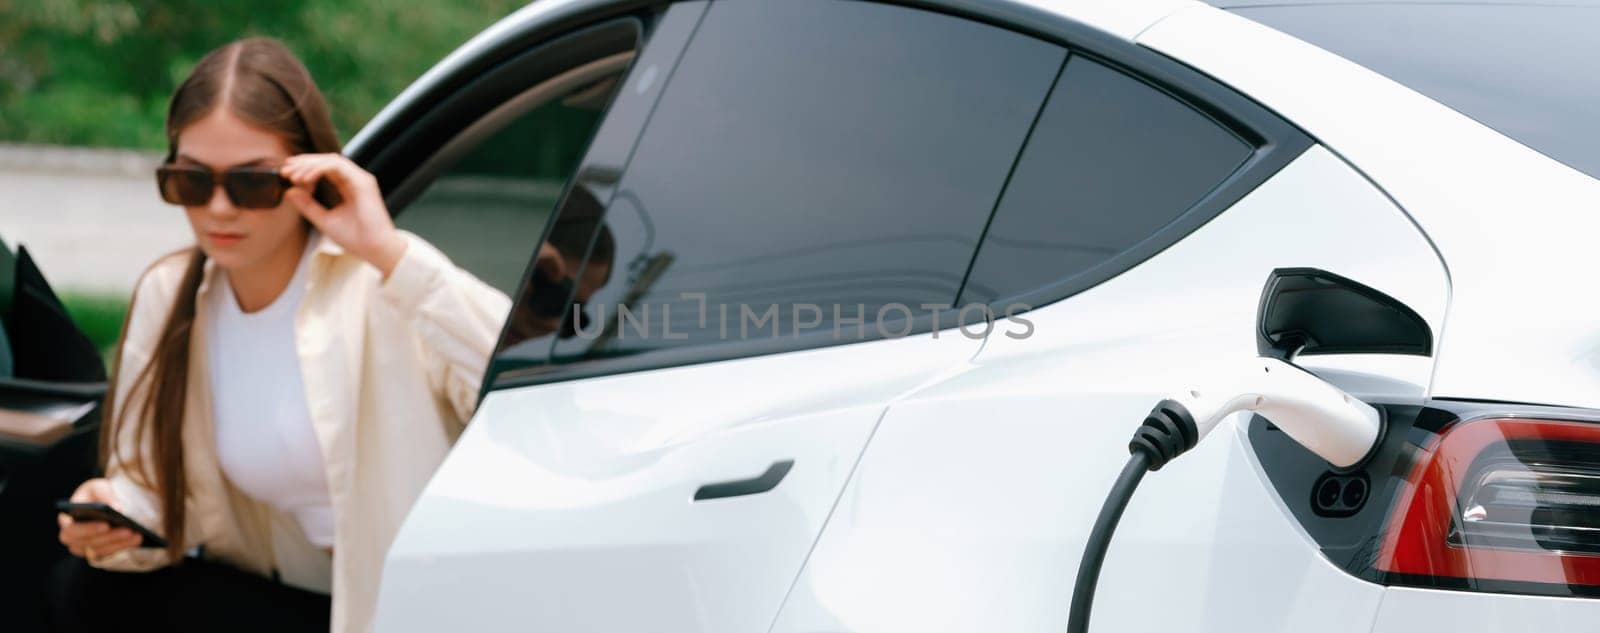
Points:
(487, 211)
(1111, 162)
(808, 156)
(540, 312)
(1525, 70)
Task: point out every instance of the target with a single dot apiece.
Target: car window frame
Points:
(514, 35)
(406, 149)
(485, 127)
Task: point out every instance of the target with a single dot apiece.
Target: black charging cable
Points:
(1166, 433)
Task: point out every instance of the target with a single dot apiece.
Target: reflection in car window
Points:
(837, 155)
(1111, 161)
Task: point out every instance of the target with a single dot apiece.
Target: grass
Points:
(99, 316)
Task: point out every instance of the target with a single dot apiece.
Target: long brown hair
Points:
(261, 82)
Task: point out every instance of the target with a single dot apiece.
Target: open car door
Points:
(52, 381)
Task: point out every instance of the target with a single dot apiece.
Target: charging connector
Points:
(1318, 415)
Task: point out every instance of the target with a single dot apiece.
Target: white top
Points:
(265, 441)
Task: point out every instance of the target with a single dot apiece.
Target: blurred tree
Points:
(99, 72)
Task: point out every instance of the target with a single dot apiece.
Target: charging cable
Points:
(1339, 428)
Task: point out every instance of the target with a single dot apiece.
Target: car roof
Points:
(1524, 69)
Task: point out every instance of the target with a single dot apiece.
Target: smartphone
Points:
(101, 512)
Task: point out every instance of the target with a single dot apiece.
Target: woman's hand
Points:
(95, 539)
(361, 223)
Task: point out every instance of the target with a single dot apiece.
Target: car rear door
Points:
(769, 251)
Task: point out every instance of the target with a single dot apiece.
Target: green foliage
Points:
(100, 317)
(99, 72)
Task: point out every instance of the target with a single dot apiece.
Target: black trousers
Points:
(193, 596)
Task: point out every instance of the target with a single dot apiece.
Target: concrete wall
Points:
(91, 218)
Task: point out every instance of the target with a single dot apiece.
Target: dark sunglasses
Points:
(247, 187)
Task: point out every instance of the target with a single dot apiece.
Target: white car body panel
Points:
(971, 506)
(1405, 610)
(1510, 223)
(560, 498)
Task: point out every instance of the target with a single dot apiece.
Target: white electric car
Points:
(861, 302)
(773, 402)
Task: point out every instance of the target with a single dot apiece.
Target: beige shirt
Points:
(391, 371)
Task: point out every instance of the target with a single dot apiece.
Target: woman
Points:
(283, 390)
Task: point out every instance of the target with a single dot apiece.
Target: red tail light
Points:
(1496, 502)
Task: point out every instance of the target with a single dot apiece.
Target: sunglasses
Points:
(247, 187)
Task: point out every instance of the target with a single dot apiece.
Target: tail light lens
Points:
(1495, 503)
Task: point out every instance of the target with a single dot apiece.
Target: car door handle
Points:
(741, 487)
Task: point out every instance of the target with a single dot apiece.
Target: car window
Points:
(809, 163)
(1111, 162)
(487, 211)
(475, 163)
(540, 311)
